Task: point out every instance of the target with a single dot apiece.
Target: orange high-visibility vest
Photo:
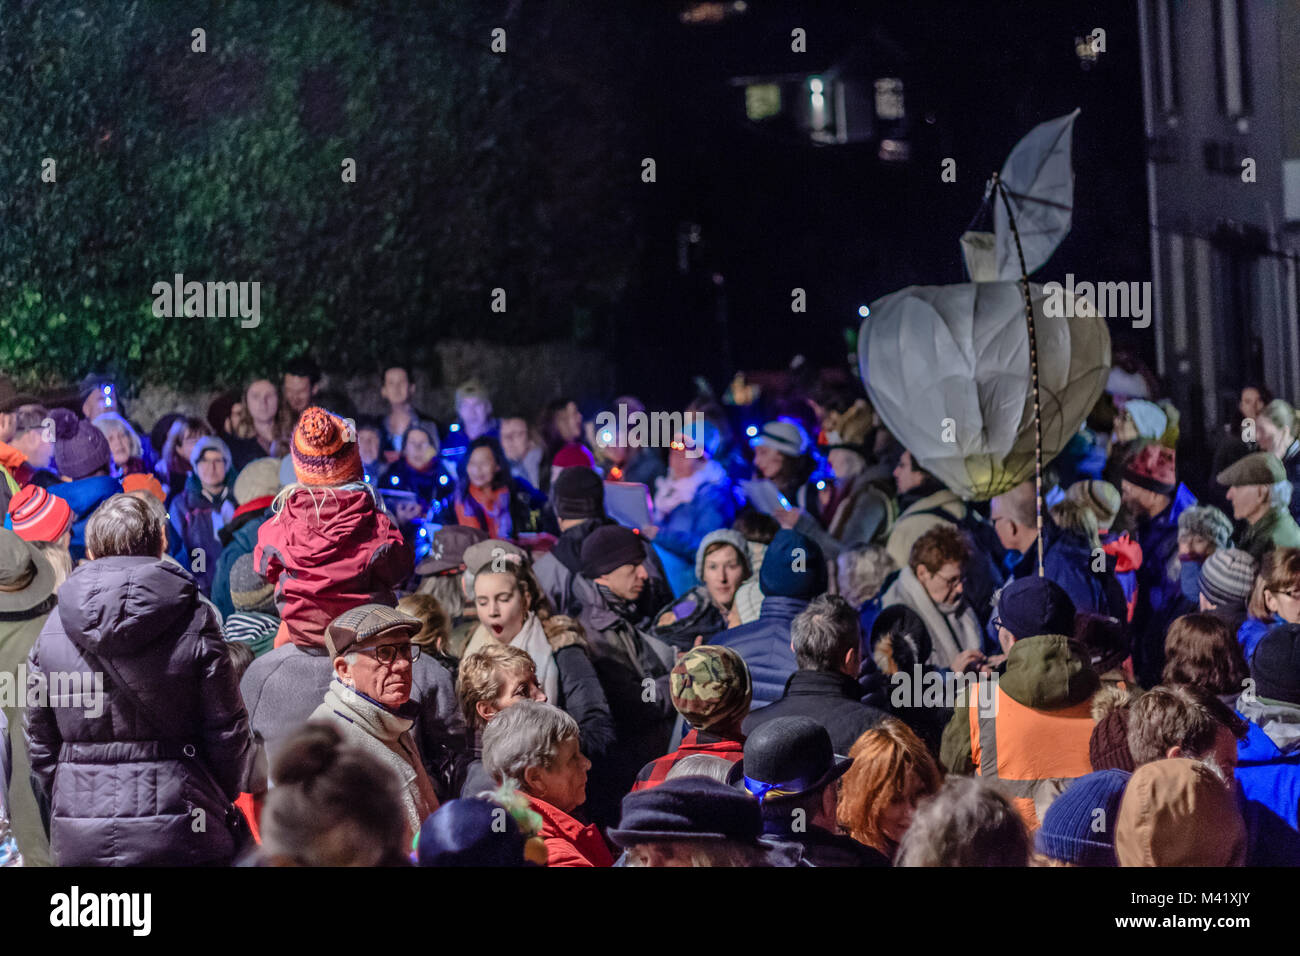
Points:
(1031, 755)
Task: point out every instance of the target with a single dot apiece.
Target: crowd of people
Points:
(286, 633)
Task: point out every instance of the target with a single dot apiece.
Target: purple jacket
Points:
(121, 791)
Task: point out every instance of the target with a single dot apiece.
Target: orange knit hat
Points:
(325, 450)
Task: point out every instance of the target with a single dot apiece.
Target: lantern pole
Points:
(997, 184)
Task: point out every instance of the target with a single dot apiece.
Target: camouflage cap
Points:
(709, 685)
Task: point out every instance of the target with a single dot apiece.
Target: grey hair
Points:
(824, 632)
(1279, 495)
(526, 734)
(706, 765)
(1208, 522)
(967, 823)
(862, 570)
(111, 421)
(698, 853)
(125, 525)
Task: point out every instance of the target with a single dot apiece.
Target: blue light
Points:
(367, 478)
(455, 427)
(442, 479)
(751, 431)
(424, 532)
(392, 480)
(606, 437)
(863, 311)
(108, 389)
(821, 486)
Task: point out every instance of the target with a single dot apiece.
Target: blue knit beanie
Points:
(1079, 826)
(793, 566)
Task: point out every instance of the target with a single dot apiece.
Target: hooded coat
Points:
(327, 551)
(122, 786)
(83, 497)
(1268, 770)
(1040, 729)
(198, 518)
(1158, 595)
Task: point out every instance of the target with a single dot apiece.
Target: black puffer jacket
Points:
(121, 792)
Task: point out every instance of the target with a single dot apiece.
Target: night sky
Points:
(777, 211)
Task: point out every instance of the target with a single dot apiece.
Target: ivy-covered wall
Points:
(127, 156)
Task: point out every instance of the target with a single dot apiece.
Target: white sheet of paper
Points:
(764, 496)
(628, 503)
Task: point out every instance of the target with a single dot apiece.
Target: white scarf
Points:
(671, 493)
(385, 735)
(951, 632)
(532, 639)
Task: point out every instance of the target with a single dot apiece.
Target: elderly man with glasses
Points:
(369, 698)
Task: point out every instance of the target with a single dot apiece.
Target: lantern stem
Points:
(1033, 368)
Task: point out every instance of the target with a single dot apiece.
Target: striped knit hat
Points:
(1227, 577)
(323, 451)
(38, 515)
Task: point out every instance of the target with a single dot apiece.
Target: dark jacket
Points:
(818, 847)
(559, 572)
(1157, 594)
(284, 686)
(765, 646)
(238, 538)
(829, 698)
(195, 516)
(83, 497)
(633, 669)
(1068, 561)
(1277, 529)
(122, 787)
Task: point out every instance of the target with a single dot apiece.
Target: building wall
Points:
(1226, 303)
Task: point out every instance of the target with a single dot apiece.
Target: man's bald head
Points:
(1015, 517)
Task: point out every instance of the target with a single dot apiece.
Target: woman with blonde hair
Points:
(492, 680)
(514, 611)
(892, 772)
(436, 627)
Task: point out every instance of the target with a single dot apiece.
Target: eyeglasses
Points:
(387, 653)
(1293, 594)
(946, 581)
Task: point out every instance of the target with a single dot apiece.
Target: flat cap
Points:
(1260, 468)
(362, 623)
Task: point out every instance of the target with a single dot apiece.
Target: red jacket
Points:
(696, 742)
(328, 555)
(569, 842)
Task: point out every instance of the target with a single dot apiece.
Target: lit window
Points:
(762, 100)
(889, 98)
